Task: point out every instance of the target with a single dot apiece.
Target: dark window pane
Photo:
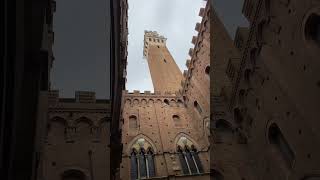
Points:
(197, 159)
(191, 163)
(134, 167)
(142, 165)
(277, 139)
(151, 165)
(183, 163)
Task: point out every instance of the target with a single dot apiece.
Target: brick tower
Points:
(165, 74)
(166, 135)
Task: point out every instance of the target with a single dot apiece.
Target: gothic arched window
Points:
(207, 70)
(277, 139)
(312, 28)
(142, 160)
(197, 106)
(188, 157)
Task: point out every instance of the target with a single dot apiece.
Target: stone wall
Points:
(156, 124)
(271, 107)
(78, 137)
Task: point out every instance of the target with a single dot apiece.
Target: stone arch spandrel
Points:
(58, 119)
(128, 101)
(84, 119)
(66, 169)
(181, 134)
(129, 146)
(57, 115)
(83, 129)
(150, 101)
(103, 120)
(56, 130)
(103, 130)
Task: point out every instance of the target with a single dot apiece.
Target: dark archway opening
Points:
(312, 28)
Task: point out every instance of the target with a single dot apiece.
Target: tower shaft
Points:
(165, 73)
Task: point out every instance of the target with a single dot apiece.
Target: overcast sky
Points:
(80, 47)
(230, 13)
(174, 19)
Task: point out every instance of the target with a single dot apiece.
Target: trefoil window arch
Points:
(142, 160)
(188, 157)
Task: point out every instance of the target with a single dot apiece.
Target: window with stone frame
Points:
(177, 121)
(197, 107)
(281, 145)
(142, 160)
(133, 122)
(188, 157)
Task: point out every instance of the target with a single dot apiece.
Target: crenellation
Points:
(185, 73)
(85, 96)
(202, 12)
(194, 40)
(188, 63)
(191, 52)
(152, 38)
(198, 27)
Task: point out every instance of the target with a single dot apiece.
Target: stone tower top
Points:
(152, 38)
(165, 73)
